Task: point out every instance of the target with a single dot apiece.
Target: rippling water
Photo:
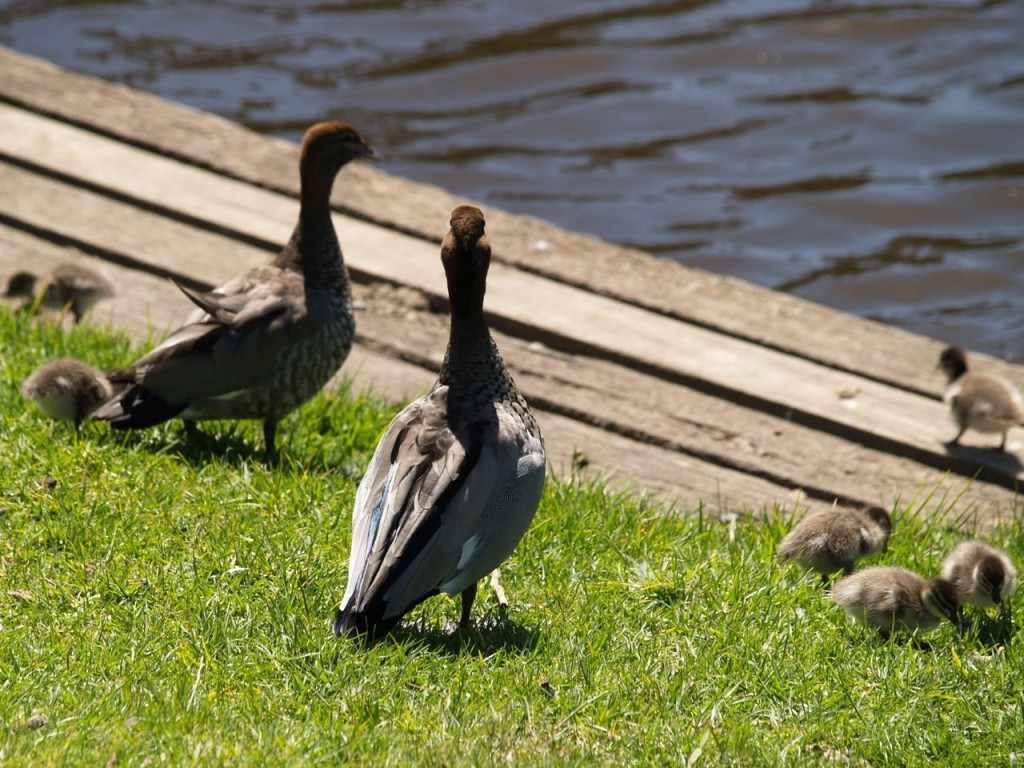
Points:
(867, 155)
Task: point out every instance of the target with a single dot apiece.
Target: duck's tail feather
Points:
(372, 626)
(137, 408)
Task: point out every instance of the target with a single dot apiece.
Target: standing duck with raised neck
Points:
(270, 338)
(836, 539)
(68, 286)
(890, 599)
(457, 477)
(984, 576)
(67, 389)
(979, 401)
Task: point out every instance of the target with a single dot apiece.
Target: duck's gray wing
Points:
(232, 348)
(426, 512)
(210, 305)
(228, 299)
(417, 467)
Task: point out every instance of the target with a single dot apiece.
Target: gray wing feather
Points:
(431, 511)
(230, 347)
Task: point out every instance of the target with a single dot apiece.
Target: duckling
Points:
(69, 285)
(984, 576)
(270, 338)
(457, 477)
(67, 389)
(890, 598)
(979, 401)
(836, 539)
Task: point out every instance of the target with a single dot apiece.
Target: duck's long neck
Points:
(313, 247)
(472, 362)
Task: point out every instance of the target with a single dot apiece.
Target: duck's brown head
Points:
(21, 284)
(991, 576)
(953, 362)
(466, 255)
(328, 146)
(942, 600)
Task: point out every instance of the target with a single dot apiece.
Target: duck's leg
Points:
(468, 595)
(269, 436)
(80, 414)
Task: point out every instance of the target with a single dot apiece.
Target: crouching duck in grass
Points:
(457, 477)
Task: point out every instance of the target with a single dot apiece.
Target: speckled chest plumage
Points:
(483, 382)
(321, 342)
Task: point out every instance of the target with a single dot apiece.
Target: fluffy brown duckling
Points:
(270, 338)
(890, 599)
(69, 285)
(67, 389)
(984, 576)
(979, 401)
(836, 539)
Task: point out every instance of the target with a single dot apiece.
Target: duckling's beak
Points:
(370, 155)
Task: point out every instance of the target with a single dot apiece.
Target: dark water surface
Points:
(866, 155)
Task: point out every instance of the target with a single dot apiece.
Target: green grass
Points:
(166, 604)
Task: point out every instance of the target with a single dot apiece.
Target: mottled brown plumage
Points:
(979, 401)
(270, 338)
(836, 539)
(67, 389)
(890, 599)
(68, 285)
(456, 479)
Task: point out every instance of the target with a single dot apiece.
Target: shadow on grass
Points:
(979, 627)
(194, 447)
(222, 442)
(990, 632)
(485, 637)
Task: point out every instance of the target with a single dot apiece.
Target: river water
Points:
(866, 155)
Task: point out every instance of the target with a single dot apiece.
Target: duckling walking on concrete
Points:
(457, 477)
(270, 338)
(68, 285)
(979, 401)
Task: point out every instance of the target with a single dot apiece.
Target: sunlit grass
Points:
(170, 604)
